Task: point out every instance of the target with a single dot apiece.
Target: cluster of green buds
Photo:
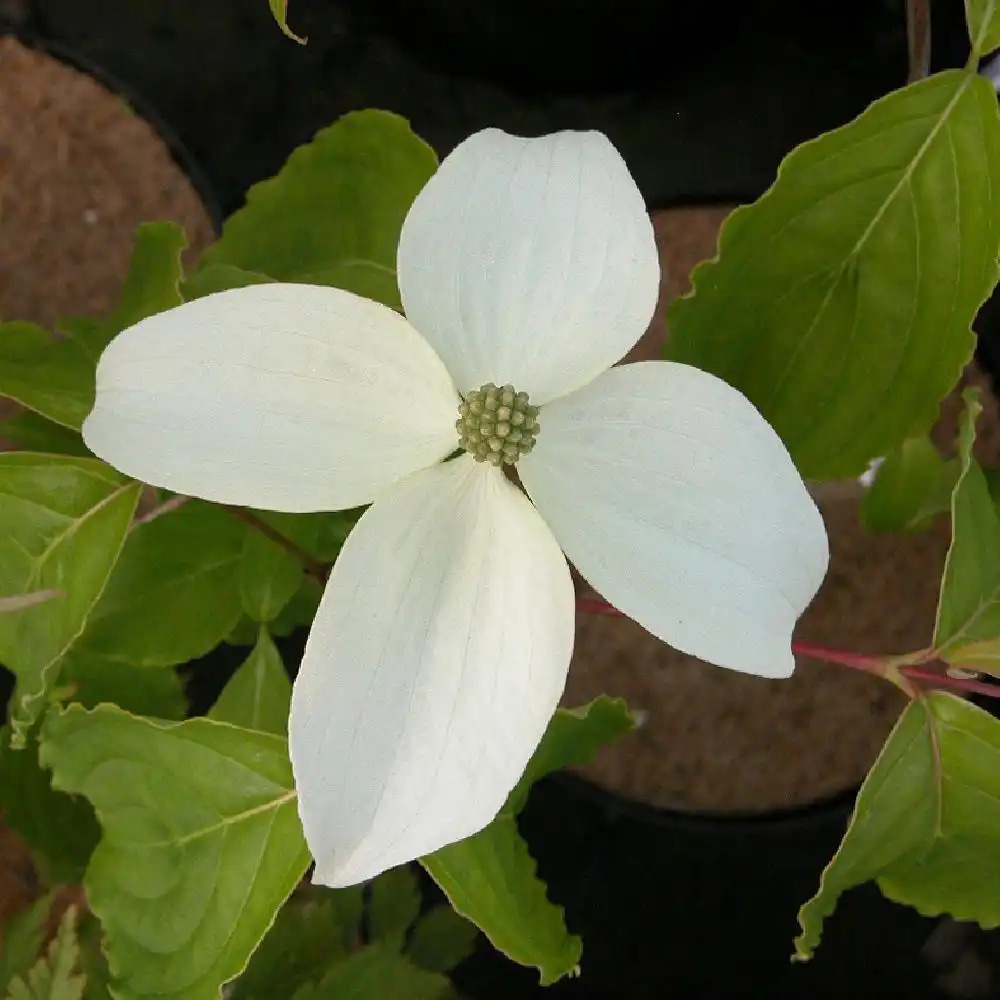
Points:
(497, 424)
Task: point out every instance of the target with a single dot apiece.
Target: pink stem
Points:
(945, 681)
(856, 661)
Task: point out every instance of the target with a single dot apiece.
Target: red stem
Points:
(855, 661)
(946, 681)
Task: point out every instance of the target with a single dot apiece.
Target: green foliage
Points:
(319, 935)
(363, 277)
(152, 285)
(394, 905)
(92, 680)
(270, 574)
(314, 929)
(93, 962)
(56, 976)
(840, 303)
(54, 378)
(333, 531)
(298, 613)
(258, 695)
(214, 278)
(279, 8)
(926, 825)
(201, 842)
(174, 594)
(22, 940)
(490, 878)
(377, 971)
(62, 525)
(61, 830)
(333, 213)
(912, 486)
(28, 431)
(983, 19)
(573, 737)
(967, 631)
(441, 939)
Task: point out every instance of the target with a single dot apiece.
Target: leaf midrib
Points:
(837, 274)
(75, 526)
(225, 821)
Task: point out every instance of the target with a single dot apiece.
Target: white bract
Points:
(442, 642)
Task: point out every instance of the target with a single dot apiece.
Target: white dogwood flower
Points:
(527, 268)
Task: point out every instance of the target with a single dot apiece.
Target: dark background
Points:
(703, 100)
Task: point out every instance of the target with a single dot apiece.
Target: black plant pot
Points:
(698, 97)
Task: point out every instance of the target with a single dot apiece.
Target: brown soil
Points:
(79, 170)
(713, 740)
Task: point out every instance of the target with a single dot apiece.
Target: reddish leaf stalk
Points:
(875, 665)
(856, 661)
(311, 565)
(933, 679)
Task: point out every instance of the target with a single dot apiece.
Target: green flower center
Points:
(497, 424)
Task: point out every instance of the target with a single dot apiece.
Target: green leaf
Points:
(93, 962)
(56, 976)
(333, 531)
(62, 524)
(363, 277)
(926, 824)
(175, 592)
(306, 936)
(298, 613)
(201, 844)
(52, 377)
(279, 8)
(840, 303)
(300, 610)
(366, 278)
(983, 20)
(214, 278)
(912, 486)
(967, 630)
(92, 681)
(27, 431)
(22, 940)
(394, 905)
(573, 737)
(258, 695)
(152, 285)
(441, 939)
(270, 574)
(335, 210)
(60, 829)
(490, 879)
(379, 972)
